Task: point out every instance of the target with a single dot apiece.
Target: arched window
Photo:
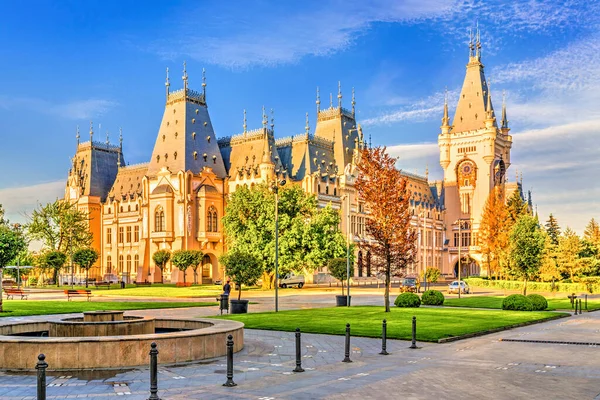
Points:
(128, 264)
(159, 220)
(360, 263)
(212, 220)
(108, 264)
(206, 266)
(120, 264)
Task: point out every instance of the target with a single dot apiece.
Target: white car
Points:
(455, 285)
(291, 280)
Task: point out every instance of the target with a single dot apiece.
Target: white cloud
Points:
(18, 201)
(76, 110)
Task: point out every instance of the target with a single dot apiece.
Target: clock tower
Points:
(474, 154)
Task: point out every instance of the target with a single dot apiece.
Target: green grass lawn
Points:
(18, 308)
(496, 302)
(432, 323)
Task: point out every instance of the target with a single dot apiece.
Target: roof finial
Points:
(107, 141)
(330, 100)
(445, 118)
(204, 84)
(185, 77)
(353, 101)
(167, 83)
(272, 120)
(489, 99)
(307, 127)
(91, 132)
(318, 101)
(265, 121)
(478, 42)
(471, 45)
(120, 154)
(370, 144)
(339, 96)
(504, 120)
(426, 171)
(245, 124)
(77, 136)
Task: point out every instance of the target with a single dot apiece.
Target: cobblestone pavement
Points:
(479, 368)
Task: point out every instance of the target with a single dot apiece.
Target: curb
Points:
(504, 328)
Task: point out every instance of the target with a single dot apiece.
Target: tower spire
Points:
(353, 101)
(77, 136)
(488, 106)
(204, 84)
(272, 120)
(245, 124)
(330, 100)
(107, 141)
(318, 101)
(185, 78)
(471, 44)
(478, 43)
(120, 147)
(265, 121)
(370, 145)
(307, 127)
(504, 120)
(167, 83)
(91, 132)
(339, 96)
(445, 118)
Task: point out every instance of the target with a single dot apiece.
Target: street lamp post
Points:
(459, 258)
(71, 258)
(17, 228)
(275, 188)
(348, 255)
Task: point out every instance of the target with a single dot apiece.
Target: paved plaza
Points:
(480, 368)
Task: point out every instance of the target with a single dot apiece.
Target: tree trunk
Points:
(87, 272)
(1, 275)
(55, 276)
(239, 292)
(342, 287)
(388, 267)
(184, 277)
(525, 287)
(196, 276)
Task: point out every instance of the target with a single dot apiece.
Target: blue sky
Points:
(66, 63)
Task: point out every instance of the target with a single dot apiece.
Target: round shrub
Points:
(408, 300)
(517, 302)
(538, 302)
(432, 298)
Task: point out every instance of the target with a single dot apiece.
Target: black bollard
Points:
(414, 334)
(153, 372)
(576, 303)
(347, 350)
(384, 338)
(580, 306)
(298, 353)
(41, 377)
(230, 381)
(586, 302)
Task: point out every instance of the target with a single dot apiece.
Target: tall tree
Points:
(592, 233)
(54, 260)
(516, 207)
(493, 230)
(526, 249)
(549, 271)
(553, 229)
(184, 259)
(569, 247)
(60, 226)
(3, 221)
(85, 259)
(12, 243)
(243, 268)
(308, 236)
(161, 258)
(384, 190)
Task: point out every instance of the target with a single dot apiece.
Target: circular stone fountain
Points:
(108, 339)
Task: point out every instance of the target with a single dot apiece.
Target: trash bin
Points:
(122, 284)
(223, 303)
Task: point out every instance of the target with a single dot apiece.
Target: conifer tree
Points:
(516, 207)
(592, 233)
(553, 229)
(569, 247)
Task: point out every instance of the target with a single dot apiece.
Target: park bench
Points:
(10, 293)
(102, 285)
(78, 293)
(143, 283)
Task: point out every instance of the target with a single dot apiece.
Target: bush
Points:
(432, 298)
(538, 302)
(517, 302)
(33, 281)
(562, 286)
(408, 299)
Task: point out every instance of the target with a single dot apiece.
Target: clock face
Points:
(466, 169)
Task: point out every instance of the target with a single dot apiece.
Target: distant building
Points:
(176, 199)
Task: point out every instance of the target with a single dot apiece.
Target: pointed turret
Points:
(504, 122)
(445, 119)
(474, 104)
(339, 96)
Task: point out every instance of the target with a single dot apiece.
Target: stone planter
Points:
(238, 306)
(341, 301)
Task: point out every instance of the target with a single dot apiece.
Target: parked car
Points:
(455, 285)
(408, 285)
(291, 280)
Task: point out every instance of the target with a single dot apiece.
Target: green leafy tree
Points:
(549, 271)
(569, 247)
(243, 268)
(516, 208)
(197, 260)
(338, 268)
(85, 259)
(24, 258)
(3, 221)
(308, 236)
(184, 259)
(60, 226)
(432, 274)
(55, 260)
(553, 230)
(12, 243)
(526, 249)
(161, 258)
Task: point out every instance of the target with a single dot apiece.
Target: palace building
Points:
(177, 198)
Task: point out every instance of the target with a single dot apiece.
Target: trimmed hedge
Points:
(587, 285)
(432, 298)
(517, 302)
(408, 299)
(538, 302)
